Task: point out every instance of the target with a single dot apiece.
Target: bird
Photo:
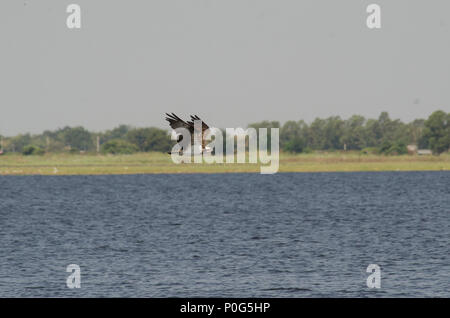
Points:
(176, 122)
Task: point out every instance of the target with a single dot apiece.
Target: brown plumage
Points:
(176, 122)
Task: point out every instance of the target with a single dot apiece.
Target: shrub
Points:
(393, 148)
(32, 150)
(150, 139)
(118, 146)
(295, 145)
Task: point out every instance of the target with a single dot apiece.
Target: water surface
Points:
(238, 235)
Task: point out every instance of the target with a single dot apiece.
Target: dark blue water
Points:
(239, 235)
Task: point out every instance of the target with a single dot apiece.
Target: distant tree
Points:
(295, 145)
(78, 138)
(415, 130)
(266, 124)
(316, 134)
(118, 146)
(399, 132)
(289, 131)
(293, 131)
(384, 129)
(393, 148)
(17, 143)
(437, 131)
(32, 150)
(372, 134)
(353, 135)
(150, 139)
(384, 134)
(334, 129)
(119, 132)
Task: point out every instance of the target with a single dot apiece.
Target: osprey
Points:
(176, 122)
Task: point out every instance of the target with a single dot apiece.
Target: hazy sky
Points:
(230, 61)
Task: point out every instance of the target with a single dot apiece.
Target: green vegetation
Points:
(118, 146)
(372, 136)
(32, 150)
(157, 162)
(295, 145)
(437, 132)
(150, 139)
(392, 148)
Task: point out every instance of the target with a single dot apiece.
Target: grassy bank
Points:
(69, 164)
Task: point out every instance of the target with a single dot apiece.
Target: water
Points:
(230, 235)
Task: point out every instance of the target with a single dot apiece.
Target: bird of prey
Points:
(176, 122)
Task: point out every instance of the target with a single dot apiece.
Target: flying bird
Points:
(176, 122)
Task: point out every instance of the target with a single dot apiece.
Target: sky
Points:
(232, 62)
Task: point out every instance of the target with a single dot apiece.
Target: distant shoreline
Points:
(159, 163)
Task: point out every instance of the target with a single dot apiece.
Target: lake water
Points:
(230, 235)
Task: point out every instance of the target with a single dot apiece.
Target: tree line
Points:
(381, 135)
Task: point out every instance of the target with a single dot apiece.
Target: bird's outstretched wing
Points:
(195, 117)
(176, 122)
(204, 128)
